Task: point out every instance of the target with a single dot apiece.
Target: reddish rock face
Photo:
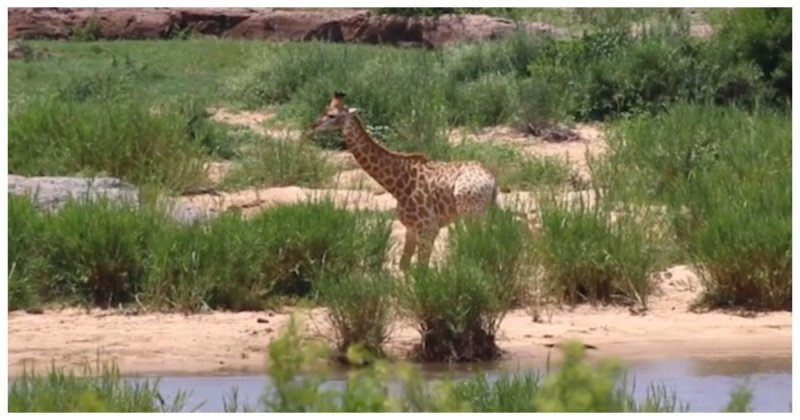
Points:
(335, 25)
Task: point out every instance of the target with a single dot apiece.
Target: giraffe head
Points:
(334, 115)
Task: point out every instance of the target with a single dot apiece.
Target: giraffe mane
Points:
(416, 157)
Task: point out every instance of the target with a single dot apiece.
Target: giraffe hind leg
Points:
(427, 237)
(408, 248)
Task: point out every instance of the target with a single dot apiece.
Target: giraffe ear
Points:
(352, 110)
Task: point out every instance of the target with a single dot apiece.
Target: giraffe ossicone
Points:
(430, 194)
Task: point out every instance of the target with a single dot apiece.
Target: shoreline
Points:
(224, 343)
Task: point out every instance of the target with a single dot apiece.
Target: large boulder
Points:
(50, 193)
(335, 25)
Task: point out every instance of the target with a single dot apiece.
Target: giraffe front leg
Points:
(408, 248)
(427, 237)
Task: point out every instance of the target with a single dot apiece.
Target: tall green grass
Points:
(281, 162)
(591, 253)
(360, 309)
(724, 174)
(101, 389)
(24, 230)
(108, 254)
(458, 306)
(521, 79)
(128, 140)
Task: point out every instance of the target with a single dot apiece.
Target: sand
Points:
(224, 342)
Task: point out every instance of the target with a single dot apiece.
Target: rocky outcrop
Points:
(50, 193)
(334, 25)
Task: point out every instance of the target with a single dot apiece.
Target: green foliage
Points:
(98, 255)
(722, 172)
(281, 162)
(126, 139)
(89, 31)
(763, 36)
(100, 390)
(610, 72)
(108, 253)
(112, 82)
(741, 400)
(590, 253)
(458, 306)
(359, 308)
(576, 386)
(24, 228)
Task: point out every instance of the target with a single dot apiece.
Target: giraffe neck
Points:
(386, 167)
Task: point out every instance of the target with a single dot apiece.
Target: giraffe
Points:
(430, 194)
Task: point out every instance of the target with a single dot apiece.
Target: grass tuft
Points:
(458, 306)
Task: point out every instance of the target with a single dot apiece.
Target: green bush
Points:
(241, 264)
(110, 254)
(763, 36)
(458, 306)
(125, 139)
(590, 253)
(722, 172)
(24, 263)
(610, 72)
(96, 252)
(360, 308)
(338, 242)
(113, 82)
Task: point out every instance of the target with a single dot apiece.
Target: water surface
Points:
(705, 384)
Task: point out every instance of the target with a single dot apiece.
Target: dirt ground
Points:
(224, 342)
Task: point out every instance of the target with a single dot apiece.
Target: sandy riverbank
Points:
(222, 342)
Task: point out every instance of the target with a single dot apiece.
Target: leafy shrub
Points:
(576, 386)
(24, 263)
(96, 251)
(458, 306)
(589, 256)
(487, 100)
(763, 36)
(359, 308)
(722, 173)
(609, 72)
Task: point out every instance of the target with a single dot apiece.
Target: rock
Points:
(50, 193)
(333, 25)
(186, 212)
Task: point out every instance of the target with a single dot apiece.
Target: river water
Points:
(705, 384)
